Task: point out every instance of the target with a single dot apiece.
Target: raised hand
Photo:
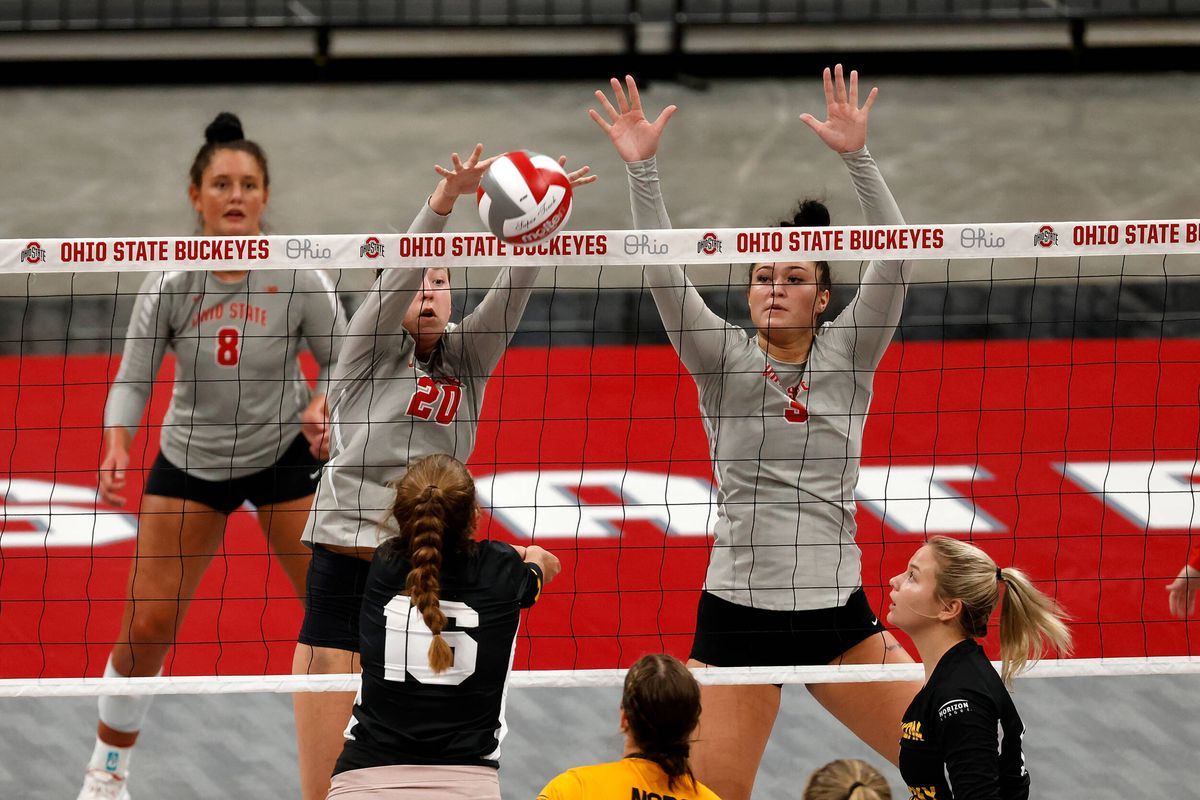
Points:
(845, 129)
(464, 177)
(634, 136)
(579, 177)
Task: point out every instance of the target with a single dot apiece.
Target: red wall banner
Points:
(1076, 461)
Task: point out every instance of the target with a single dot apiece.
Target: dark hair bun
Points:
(810, 214)
(225, 128)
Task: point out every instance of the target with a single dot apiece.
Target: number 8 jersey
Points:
(238, 389)
(407, 714)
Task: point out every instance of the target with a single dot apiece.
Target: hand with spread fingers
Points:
(461, 179)
(580, 177)
(845, 127)
(634, 136)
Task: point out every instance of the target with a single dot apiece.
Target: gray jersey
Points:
(239, 391)
(785, 472)
(389, 408)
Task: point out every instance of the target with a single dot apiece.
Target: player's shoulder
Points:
(567, 785)
(971, 686)
(501, 555)
(610, 775)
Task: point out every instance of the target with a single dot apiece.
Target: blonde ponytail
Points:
(1029, 620)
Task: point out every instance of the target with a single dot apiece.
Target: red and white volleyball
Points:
(524, 197)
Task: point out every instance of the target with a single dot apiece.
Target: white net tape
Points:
(603, 248)
(546, 679)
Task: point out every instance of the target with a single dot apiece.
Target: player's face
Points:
(785, 296)
(231, 196)
(430, 309)
(913, 599)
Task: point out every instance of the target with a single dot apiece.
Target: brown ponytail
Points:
(1030, 621)
(661, 702)
(435, 512)
(847, 779)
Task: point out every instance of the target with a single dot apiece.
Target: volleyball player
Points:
(784, 410)
(438, 630)
(962, 735)
(847, 779)
(242, 425)
(409, 383)
(1181, 592)
(660, 708)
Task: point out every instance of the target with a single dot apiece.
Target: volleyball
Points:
(524, 197)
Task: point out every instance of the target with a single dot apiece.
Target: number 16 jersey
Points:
(405, 712)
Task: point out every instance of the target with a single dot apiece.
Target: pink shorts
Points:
(417, 781)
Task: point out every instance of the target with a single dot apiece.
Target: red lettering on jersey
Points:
(430, 394)
(796, 412)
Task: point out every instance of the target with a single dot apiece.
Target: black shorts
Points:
(294, 475)
(336, 583)
(729, 635)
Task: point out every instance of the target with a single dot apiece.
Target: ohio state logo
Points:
(709, 245)
(1046, 237)
(372, 248)
(33, 253)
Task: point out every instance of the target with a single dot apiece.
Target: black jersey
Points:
(407, 714)
(961, 737)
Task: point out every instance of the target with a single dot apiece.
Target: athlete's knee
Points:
(153, 627)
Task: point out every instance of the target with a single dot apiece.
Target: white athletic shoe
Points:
(101, 785)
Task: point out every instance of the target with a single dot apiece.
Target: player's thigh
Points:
(872, 711)
(283, 525)
(176, 541)
(735, 725)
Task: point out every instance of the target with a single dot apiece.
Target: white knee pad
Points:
(125, 713)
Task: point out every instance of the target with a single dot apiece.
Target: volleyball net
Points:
(1040, 398)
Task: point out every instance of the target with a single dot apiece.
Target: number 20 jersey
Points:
(389, 408)
(406, 713)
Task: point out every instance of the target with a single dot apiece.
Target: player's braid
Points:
(424, 580)
(435, 512)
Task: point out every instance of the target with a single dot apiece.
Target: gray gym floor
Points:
(108, 162)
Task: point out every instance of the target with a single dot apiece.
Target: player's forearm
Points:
(117, 439)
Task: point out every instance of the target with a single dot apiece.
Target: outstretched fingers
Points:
(635, 97)
(839, 84)
(664, 118)
(613, 114)
(473, 159)
(579, 177)
(827, 82)
(599, 120)
(619, 93)
(871, 98)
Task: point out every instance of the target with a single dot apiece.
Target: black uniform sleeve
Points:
(969, 732)
(529, 584)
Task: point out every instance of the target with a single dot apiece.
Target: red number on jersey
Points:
(796, 412)
(227, 347)
(444, 396)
